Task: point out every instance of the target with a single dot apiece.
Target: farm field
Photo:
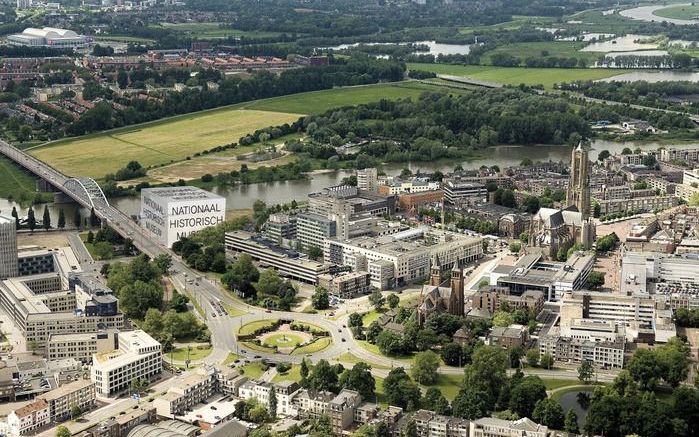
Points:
(156, 143)
(174, 139)
(519, 75)
(684, 12)
(213, 30)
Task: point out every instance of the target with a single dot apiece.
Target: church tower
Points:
(435, 273)
(579, 183)
(456, 301)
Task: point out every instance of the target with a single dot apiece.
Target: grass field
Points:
(316, 346)
(254, 326)
(213, 30)
(180, 353)
(320, 101)
(17, 185)
(156, 143)
(519, 75)
(559, 49)
(686, 12)
(124, 38)
(173, 139)
(573, 388)
(230, 358)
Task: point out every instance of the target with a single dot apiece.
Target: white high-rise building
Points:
(367, 179)
(8, 248)
(172, 213)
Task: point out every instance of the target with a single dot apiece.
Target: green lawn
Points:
(254, 326)
(180, 354)
(316, 346)
(233, 311)
(372, 315)
(18, 185)
(321, 101)
(449, 385)
(375, 350)
(230, 358)
(259, 348)
(294, 374)
(552, 384)
(213, 30)
(519, 75)
(573, 388)
(253, 370)
(686, 12)
(283, 339)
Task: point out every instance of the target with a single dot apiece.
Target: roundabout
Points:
(283, 337)
(283, 340)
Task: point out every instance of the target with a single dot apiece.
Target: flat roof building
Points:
(408, 254)
(288, 263)
(138, 356)
(171, 213)
(8, 247)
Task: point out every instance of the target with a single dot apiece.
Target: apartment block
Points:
(346, 285)
(186, 392)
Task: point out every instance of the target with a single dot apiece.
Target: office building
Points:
(172, 213)
(313, 229)
(396, 185)
(616, 308)
(348, 200)
(138, 356)
(412, 202)
(81, 346)
(403, 257)
(49, 37)
(53, 304)
(8, 247)
(288, 263)
(280, 228)
(458, 192)
(491, 298)
(367, 179)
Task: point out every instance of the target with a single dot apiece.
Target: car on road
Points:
(343, 340)
(257, 357)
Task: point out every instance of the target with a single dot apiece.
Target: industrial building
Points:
(171, 213)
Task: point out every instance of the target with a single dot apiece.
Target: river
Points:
(243, 196)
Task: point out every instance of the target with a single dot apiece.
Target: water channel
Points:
(243, 196)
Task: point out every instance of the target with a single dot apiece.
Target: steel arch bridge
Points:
(87, 192)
